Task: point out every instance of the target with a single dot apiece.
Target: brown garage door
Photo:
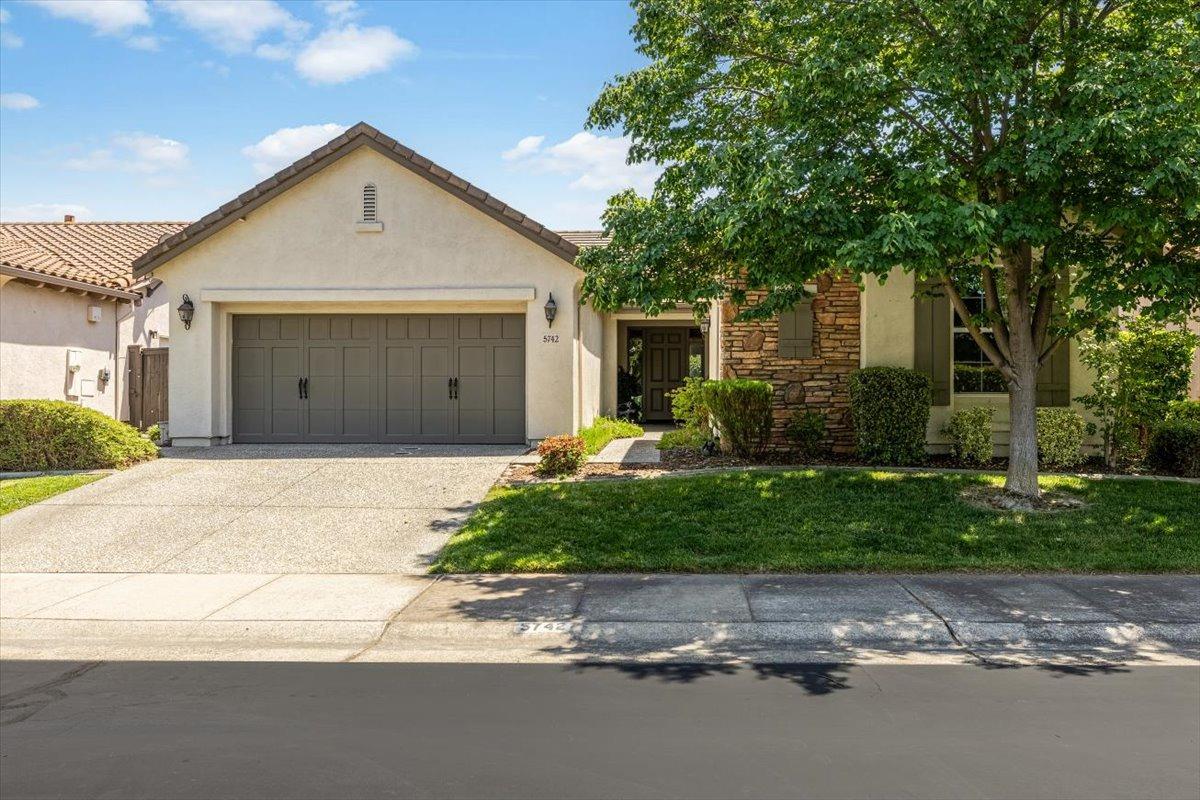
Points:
(379, 378)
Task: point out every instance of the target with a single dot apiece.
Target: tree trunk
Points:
(1022, 475)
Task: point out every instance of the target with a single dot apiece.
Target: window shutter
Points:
(796, 331)
(933, 339)
(1054, 378)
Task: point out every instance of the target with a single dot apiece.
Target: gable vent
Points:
(370, 204)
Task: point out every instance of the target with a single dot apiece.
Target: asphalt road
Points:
(213, 730)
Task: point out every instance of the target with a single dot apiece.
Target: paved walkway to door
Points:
(260, 509)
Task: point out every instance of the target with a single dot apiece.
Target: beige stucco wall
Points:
(306, 239)
(135, 325)
(889, 337)
(37, 328)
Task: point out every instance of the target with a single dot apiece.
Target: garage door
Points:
(434, 378)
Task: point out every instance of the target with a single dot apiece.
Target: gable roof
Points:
(96, 253)
(360, 135)
(582, 239)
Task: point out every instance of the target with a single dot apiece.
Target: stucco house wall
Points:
(303, 252)
(37, 328)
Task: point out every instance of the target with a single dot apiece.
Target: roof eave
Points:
(33, 276)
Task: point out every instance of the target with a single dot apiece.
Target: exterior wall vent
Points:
(370, 205)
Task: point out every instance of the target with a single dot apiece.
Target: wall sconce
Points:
(186, 309)
(704, 326)
(551, 310)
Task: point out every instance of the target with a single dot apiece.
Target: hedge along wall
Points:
(819, 382)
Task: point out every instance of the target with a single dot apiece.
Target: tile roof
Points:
(99, 253)
(354, 137)
(582, 239)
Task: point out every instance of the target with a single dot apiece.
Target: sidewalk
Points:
(643, 618)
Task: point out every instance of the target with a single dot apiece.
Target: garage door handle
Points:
(300, 388)
(450, 388)
(304, 382)
(456, 388)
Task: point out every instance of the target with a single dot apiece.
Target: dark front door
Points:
(664, 366)
(379, 378)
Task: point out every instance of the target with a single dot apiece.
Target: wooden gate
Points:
(147, 385)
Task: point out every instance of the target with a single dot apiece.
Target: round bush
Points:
(1175, 448)
(806, 430)
(561, 455)
(1060, 436)
(890, 406)
(970, 432)
(741, 409)
(38, 435)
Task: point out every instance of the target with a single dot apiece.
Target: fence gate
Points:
(147, 385)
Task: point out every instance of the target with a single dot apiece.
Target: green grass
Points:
(20, 492)
(824, 521)
(604, 430)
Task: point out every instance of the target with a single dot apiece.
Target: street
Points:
(212, 730)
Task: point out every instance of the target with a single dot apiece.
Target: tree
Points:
(1044, 153)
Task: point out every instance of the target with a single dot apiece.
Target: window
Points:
(973, 370)
(370, 205)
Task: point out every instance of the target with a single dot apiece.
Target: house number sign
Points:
(550, 338)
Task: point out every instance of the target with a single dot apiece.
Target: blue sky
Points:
(135, 110)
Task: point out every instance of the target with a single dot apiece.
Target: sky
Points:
(166, 109)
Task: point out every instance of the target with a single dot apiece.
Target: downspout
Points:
(120, 377)
(575, 291)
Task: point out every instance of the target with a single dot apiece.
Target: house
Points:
(70, 309)
(366, 294)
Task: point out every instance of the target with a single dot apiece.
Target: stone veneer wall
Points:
(822, 383)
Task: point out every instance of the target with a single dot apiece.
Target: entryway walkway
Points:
(640, 450)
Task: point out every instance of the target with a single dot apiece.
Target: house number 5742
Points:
(550, 338)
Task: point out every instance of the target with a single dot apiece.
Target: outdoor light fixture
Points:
(551, 310)
(704, 325)
(185, 312)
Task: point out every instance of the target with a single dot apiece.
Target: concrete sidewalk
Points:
(644, 618)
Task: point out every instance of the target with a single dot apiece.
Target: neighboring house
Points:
(366, 294)
(70, 307)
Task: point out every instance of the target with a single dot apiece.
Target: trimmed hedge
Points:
(890, 407)
(561, 455)
(741, 409)
(1060, 433)
(970, 432)
(38, 435)
(1175, 447)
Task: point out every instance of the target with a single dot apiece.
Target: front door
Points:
(379, 378)
(664, 366)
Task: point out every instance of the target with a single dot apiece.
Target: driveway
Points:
(260, 509)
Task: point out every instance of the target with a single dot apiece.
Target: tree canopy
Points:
(946, 137)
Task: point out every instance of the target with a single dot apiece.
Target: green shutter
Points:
(933, 339)
(1054, 378)
(796, 331)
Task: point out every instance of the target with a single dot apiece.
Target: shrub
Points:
(561, 455)
(38, 435)
(1184, 410)
(687, 405)
(890, 406)
(683, 439)
(741, 411)
(1175, 448)
(604, 429)
(970, 432)
(806, 430)
(1059, 436)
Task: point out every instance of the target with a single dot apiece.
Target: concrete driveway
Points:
(260, 509)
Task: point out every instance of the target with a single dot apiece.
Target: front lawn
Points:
(20, 492)
(809, 520)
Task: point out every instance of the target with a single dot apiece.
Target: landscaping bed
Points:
(813, 520)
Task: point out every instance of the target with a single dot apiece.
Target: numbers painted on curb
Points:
(536, 628)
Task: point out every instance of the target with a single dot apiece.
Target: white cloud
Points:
(340, 10)
(150, 43)
(234, 26)
(7, 37)
(343, 54)
(595, 163)
(274, 152)
(526, 147)
(134, 152)
(18, 101)
(105, 17)
(4, 16)
(273, 52)
(44, 212)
